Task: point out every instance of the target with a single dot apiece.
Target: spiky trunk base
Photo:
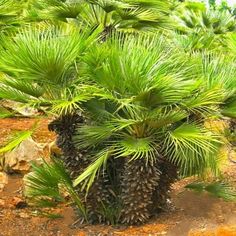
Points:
(76, 161)
(161, 193)
(140, 178)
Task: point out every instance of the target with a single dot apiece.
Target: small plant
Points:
(48, 184)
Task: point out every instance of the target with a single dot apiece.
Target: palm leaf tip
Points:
(217, 189)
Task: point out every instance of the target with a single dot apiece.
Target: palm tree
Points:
(149, 107)
(204, 29)
(127, 15)
(10, 14)
(42, 67)
(131, 110)
(209, 20)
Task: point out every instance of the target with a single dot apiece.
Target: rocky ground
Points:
(194, 214)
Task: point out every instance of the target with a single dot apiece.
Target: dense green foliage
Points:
(132, 84)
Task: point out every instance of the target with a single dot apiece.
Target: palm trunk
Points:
(76, 161)
(167, 177)
(140, 178)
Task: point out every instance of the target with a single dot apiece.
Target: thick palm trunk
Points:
(168, 175)
(140, 178)
(76, 161)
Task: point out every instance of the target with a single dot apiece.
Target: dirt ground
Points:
(193, 215)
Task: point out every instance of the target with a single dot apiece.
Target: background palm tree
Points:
(204, 29)
(128, 15)
(10, 15)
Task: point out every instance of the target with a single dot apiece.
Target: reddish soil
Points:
(9, 125)
(193, 215)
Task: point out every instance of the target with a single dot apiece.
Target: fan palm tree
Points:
(127, 15)
(204, 29)
(42, 67)
(148, 110)
(210, 20)
(10, 14)
(144, 103)
(229, 108)
(39, 66)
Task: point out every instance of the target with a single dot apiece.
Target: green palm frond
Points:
(229, 108)
(42, 182)
(206, 20)
(17, 139)
(217, 189)
(89, 175)
(110, 5)
(206, 101)
(127, 16)
(11, 15)
(160, 5)
(195, 41)
(136, 148)
(40, 66)
(7, 92)
(193, 148)
(46, 56)
(220, 72)
(70, 102)
(60, 10)
(88, 136)
(29, 89)
(4, 113)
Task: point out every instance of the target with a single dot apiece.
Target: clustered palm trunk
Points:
(76, 161)
(232, 126)
(141, 187)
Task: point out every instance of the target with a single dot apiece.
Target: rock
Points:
(3, 180)
(17, 107)
(24, 215)
(19, 158)
(18, 203)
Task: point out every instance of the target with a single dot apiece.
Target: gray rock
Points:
(19, 159)
(18, 108)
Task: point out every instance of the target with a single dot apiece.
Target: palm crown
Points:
(147, 103)
(31, 78)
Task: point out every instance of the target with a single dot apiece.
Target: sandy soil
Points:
(193, 214)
